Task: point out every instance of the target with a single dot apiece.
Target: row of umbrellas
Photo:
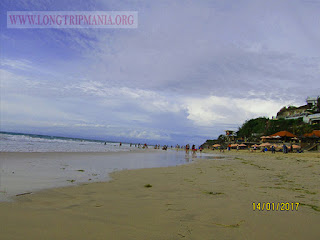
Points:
(275, 137)
(257, 145)
(276, 145)
(286, 134)
(232, 145)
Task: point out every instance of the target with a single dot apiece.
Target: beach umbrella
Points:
(283, 134)
(276, 137)
(313, 134)
(242, 145)
(265, 145)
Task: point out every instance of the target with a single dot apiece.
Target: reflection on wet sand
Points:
(29, 172)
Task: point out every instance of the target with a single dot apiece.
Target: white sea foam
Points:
(35, 143)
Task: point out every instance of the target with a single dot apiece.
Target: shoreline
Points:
(30, 172)
(208, 199)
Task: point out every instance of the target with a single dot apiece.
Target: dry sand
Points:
(209, 199)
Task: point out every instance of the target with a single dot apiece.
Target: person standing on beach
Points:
(273, 150)
(200, 148)
(284, 148)
(194, 149)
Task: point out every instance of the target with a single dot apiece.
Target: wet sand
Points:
(31, 172)
(208, 199)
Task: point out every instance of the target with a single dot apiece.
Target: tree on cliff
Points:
(253, 127)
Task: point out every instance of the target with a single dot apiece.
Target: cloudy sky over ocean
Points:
(189, 71)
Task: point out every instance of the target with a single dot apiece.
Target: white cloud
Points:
(33, 108)
(89, 125)
(189, 69)
(149, 100)
(146, 134)
(18, 64)
(213, 110)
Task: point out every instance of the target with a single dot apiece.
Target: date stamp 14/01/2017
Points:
(271, 206)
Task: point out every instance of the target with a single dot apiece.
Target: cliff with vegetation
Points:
(255, 128)
(288, 119)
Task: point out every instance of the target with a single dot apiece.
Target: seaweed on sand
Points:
(231, 225)
(213, 193)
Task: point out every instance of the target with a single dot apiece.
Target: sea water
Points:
(17, 142)
(29, 163)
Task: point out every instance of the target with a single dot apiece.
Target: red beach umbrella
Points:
(283, 134)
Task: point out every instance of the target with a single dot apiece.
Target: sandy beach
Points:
(208, 199)
(23, 172)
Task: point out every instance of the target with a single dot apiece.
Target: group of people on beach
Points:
(135, 145)
(165, 147)
(193, 148)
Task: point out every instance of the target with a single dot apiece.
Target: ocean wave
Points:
(39, 143)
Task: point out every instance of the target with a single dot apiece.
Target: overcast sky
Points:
(191, 69)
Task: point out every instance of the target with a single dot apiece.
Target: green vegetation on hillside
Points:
(253, 127)
(257, 127)
(221, 140)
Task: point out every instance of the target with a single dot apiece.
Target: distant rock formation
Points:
(292, 111)
(312, 106)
